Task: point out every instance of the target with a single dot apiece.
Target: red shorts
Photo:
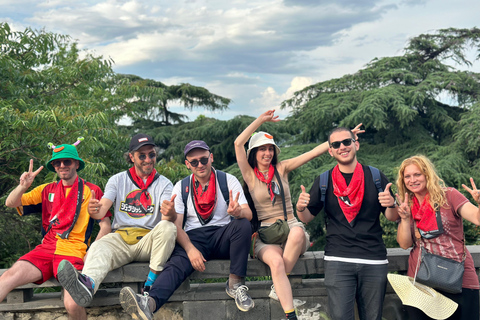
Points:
(47, 262)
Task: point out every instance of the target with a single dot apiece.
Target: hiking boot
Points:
(136, 305)
(273, 293)
(79, 286)
(242, 299)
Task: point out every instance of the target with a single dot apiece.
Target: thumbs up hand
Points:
(385, 197)
(303, 199)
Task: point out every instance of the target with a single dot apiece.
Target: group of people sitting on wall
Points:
(210, 215)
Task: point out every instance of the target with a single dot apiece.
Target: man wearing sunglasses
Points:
(214, 229)
(143, 224)
(66, 224)
(355, 255)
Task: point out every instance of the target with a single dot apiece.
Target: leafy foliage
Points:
(48, 93)
(148, 101)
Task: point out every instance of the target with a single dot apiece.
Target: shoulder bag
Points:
(439, 272)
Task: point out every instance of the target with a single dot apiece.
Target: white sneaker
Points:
(273, 293)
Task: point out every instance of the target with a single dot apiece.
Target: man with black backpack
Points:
(353, 196)
(213, 222)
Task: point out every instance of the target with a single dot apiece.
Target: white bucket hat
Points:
(432, 303)
(259, 139)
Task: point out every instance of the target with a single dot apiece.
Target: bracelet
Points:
(302, 209)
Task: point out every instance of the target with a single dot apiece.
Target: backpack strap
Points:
(282, 194)
(376, 178)
(185, 191)
(323, 185)
(222, 182)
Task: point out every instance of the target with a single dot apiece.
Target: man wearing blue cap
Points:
(143, 224)
(212, 223)
(66, 224)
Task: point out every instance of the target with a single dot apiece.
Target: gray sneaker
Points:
(79, 286)
(135, 305)
(242, 299)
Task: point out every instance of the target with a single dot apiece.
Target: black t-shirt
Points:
(361, 238)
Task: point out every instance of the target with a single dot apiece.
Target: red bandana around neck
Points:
(424, 215)
(145, 198)
(64, 207)
(261, 177)
(205, 201)
(349, 198)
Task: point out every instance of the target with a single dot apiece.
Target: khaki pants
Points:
(111, 252)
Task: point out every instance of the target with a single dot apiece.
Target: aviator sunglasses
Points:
(203, 161)
(151, 155)
(346, 143)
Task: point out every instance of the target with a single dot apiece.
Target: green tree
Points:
(50, 92)
(149, 101)
(409, 104)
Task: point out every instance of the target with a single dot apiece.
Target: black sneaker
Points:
(135, 305)
(242, 299)
(79, 286)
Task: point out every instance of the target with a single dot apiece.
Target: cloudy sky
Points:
(256, 52)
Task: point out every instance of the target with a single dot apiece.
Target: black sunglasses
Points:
(66, 162)
(151, 155)
(346, 143)
(194, 163)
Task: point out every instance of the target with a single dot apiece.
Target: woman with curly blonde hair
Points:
(432, 217)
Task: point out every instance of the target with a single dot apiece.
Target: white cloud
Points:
(270, 99)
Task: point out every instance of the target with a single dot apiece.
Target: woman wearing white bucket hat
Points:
(258, 166)
(432, 217)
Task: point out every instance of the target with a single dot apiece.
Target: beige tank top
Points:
(263, 204)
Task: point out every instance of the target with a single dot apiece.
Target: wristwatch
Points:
(394, 204)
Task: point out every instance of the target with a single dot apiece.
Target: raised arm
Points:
(14, 199)
(242, 139)
(288, 165)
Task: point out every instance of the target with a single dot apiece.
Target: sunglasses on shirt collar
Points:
(346, 143)
(203, 161)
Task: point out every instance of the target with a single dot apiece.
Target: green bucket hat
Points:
(65, 151)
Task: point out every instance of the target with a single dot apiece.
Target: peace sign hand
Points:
(269, 116)
(403, 207)
(474, 191)
(357, 130)
(26, 179)
(234, 208)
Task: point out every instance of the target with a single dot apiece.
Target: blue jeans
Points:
(349, 282)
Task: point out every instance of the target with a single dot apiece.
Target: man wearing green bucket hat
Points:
(66, 223)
